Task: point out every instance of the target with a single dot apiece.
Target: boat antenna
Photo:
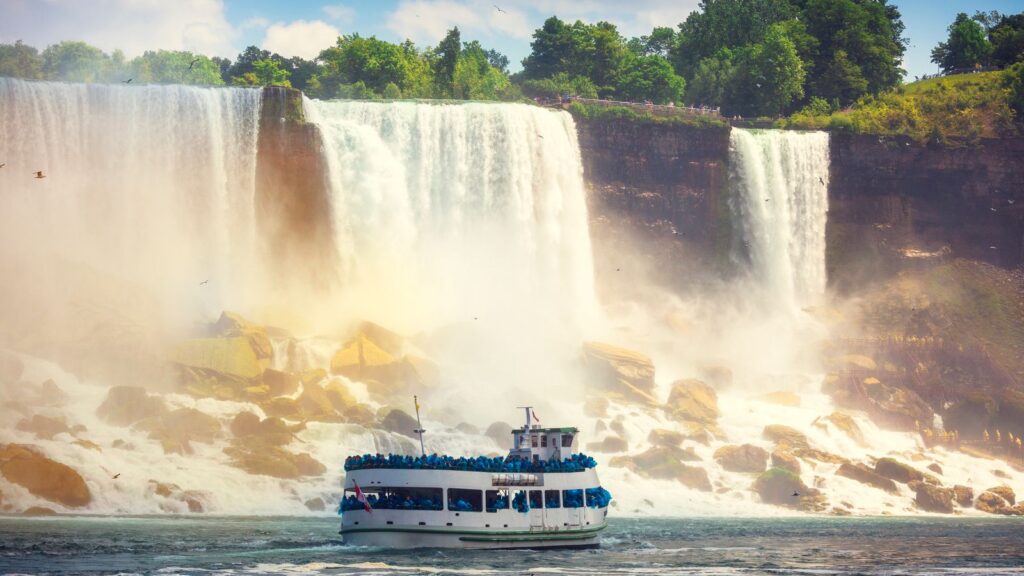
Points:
(527, 408)
(419, 426)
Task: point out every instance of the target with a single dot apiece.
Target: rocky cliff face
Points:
(894, 204)
(291, 189)
(657, 194)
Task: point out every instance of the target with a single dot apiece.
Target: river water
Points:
(152, 545)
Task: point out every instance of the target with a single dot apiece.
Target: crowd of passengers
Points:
(595, 498)
(574, 463)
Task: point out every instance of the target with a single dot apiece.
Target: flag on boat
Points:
(534, 414)
(361, 498)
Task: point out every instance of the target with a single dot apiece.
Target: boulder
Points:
(339, 396)
(898, 471)
(964, 495)
(934, 499)
(610, 444)
(36, 511)
(126, 405)
(819, 455)
(279, 383)
(375, 355)
(992, 503)
(195, 501)
(696, 432)
(785, 436)
(1005, 492)
(693, 401)
(176, 430)
(283, 407)
(41, 476)
(783, 488)
(314, 404)
(785, 460)
(501, 433)
(855, 361)
(612, 369)
(935, 468)
(249, 430)
(43, 426)
(744, 458)
(781, 398)
(864, 475)
(888, 405)
(847, 425)
(274, 461)
(245, 424)
(399, 422)
(88, 445)
(315, 504)
(719, 376)
(663, 437)
(662, 463)
(363, 415)
(595, 406)
(467, 428)
(243, 357)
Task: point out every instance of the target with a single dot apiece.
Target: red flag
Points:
(534, 414)
(360, 497)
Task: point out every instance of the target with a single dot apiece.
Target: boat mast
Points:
(419, 426)
(527, 409)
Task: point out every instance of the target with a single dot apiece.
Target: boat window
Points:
(566, 440)
(544, 441)
(404, 498)
(465, 500)
(552, 499)
(533, 440)
(598, 497)
(536, 499)
(554, 441)
(572, 498)
(519, 502)
(496, 500)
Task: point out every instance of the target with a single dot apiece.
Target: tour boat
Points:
(544, 494)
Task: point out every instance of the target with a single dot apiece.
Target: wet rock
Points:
(785, 436)
(274, 461)
(625, 372)
(245, 424)
(718, 376)
(785, 460)
(662, 463)
(88, 445)
(339, 396)
(43, 426)
(744, 458)
(964, 495)
(467, 428)
(1000, 474)
(315, 504)
(283, 407)
(610, 444)
(696, 432)
(401, 423)
(663, 437)
(363, 415)
(992, 503)
(819, 455)
(847, 425)
(693, 401)
(36, 511)
(1005, 492)
(44, 477)
(314, 404)
(935, 468)
(888, 405)
(898, 471)
(934, 499)
(375, 355)
(249, 429)
(176, 430)
(855, 361)
(501, 433)
(280, 383)
(195, 501)
(865, 475)
(596, 407)
(241, 357)
(783, 488)
(781, 398)
(126, 405)
(836, 511)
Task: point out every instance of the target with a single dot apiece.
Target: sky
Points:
(304, 27)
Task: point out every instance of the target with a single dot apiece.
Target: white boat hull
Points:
(471, 539)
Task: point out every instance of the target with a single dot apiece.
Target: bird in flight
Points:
(40, 175)
(795, 494)
(193, 63)
(116, 476)
(128, 81)
(2, 164)
(820, 180)
(203, 283)
(499, 9)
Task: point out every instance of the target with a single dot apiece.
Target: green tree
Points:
(551, 50)
(392, 92)
(476, 78)
(658, 43)
(650, 78)
(841, 80)
(966, 47)
(712, 80)
(769, 77)
(1007, 38)
(20, 61)
(74, 61)
(374, 63)
(266, 72)
(447, 59)
(174, 67)
(559, 85)
(1015, 85)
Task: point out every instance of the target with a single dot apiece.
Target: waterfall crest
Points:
(780, 196)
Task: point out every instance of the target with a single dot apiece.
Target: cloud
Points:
(303, 38)
(427, 21)
(254, 23)
(340, 13)
(133, 26)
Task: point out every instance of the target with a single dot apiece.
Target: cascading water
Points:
(780, 179)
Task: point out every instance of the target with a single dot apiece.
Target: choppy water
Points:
(664, 547)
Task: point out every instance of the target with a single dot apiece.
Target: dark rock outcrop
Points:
(41, 476)
(865, 475)
(934, 499)
(662, 463)
(744, 458)
(898, 471)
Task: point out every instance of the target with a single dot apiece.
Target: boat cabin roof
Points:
(565, 430)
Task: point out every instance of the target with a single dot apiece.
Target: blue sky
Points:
(303, 27)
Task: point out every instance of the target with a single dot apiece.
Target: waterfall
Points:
(780, 197)
(151, 184)
(449, 212)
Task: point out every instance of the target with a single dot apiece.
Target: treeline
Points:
(747, 57)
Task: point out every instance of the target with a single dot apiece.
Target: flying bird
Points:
(193, 63)
(116, 476)
(128, 81)
(39, 175)
(820, 180)
(498, 9)
(203, 283)
(2, 164)
(795, 494)
(992, 209)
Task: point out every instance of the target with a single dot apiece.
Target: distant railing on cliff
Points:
(656, 109)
